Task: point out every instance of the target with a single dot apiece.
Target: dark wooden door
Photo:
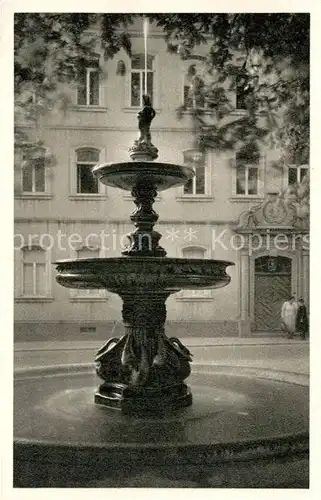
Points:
(270, 293)
(272, 288)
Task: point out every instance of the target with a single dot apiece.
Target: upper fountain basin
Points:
(126, 175)
(143, 274)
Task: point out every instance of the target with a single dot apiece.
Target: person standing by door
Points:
(302, 322)
(289, 315)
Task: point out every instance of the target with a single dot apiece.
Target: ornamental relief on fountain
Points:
(138, 273)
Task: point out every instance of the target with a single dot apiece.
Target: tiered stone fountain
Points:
(144, 370)
(139, 428)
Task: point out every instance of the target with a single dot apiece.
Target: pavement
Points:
(250, 360)
(275, 353)
(188, 341)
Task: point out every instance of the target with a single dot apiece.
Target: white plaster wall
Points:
(113, 129)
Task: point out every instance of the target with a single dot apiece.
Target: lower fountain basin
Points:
(143, 274)
(126, 175)
(244, 429)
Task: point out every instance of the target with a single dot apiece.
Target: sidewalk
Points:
(188, 341)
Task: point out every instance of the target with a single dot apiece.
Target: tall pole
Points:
(145, 24)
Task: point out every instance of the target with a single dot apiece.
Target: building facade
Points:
(229, 211)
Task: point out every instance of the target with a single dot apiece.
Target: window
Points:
(244, 92)
(297, 163)
(34, 273)
(194, 87)
(247, 173)
(34, 175)
(196, 185)
(296, 174)
(138, 79)
(87, 183)
(269, 265)
(87, 329)
(194, 253)
(88, 87)
(87, 294)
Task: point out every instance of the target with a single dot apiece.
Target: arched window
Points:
(197, 185)
(35, 279)
(194, 87)
(34, 172)
(86, 159)
(244, 92)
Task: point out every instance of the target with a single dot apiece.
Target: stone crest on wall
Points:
(289, 209)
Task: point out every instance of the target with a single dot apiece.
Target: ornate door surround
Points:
(282, 231)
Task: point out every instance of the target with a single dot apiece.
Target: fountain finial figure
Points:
(145, 117)
(143, 149)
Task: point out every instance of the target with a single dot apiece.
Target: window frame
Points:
(299, 168)
(21, 283)
(88, 70)
(46, 194)
(194, 182)
(33, 169)
(156, 83)
(260, 166)
(239, 109)
(141, 72)
(74, 195)
(186, 65)
(207, 164)
(247, 168)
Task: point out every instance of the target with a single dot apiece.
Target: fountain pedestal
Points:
(145, 370)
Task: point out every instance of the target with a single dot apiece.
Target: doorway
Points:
(272, 287)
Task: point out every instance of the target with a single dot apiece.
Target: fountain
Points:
(142, 426)
(144, 371)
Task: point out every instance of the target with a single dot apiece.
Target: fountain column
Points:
(144, 241)
(145, 370)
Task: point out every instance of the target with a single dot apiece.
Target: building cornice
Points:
(272, 230)
(186, 128)
(83, 220)
(110, 129)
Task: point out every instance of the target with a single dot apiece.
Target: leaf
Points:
(49, 48)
